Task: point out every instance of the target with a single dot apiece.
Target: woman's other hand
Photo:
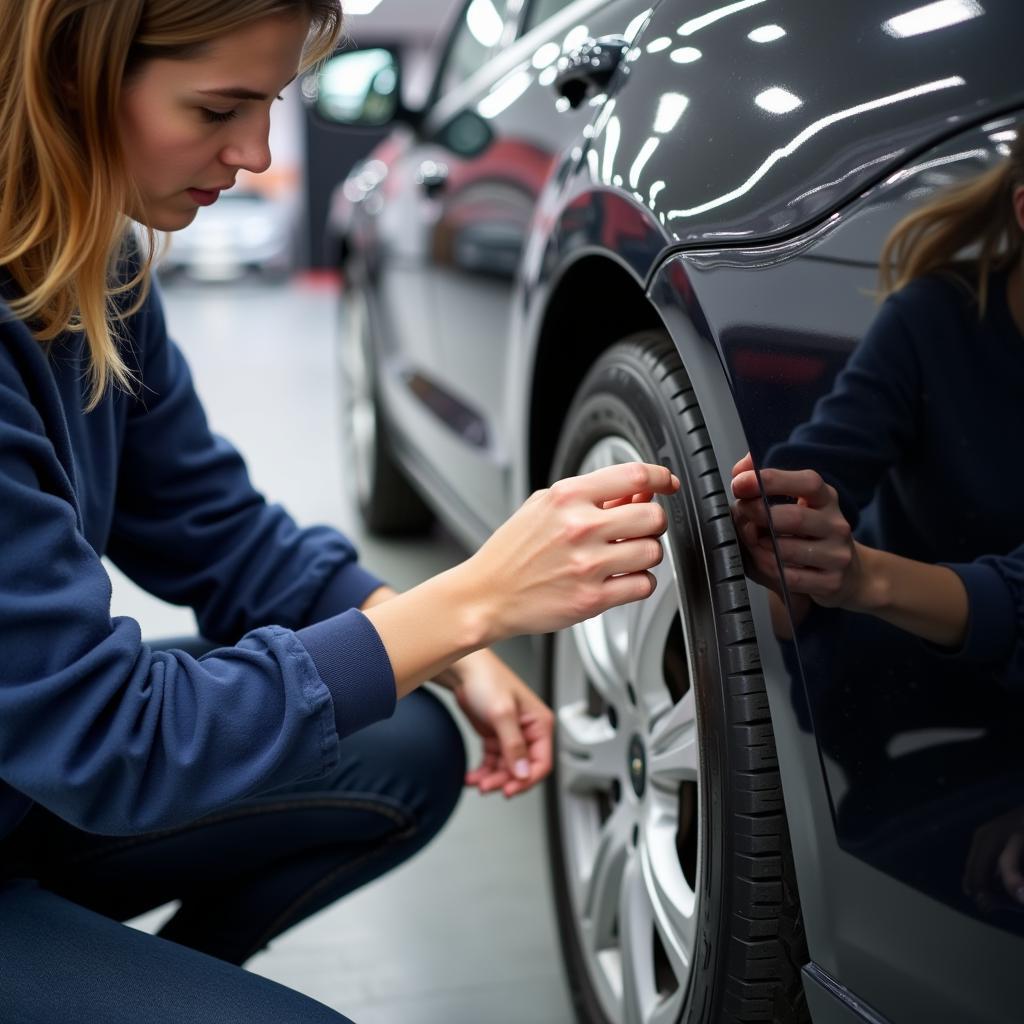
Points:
(516, 726)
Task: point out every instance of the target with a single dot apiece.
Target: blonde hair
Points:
(977, 213)
(64, 235)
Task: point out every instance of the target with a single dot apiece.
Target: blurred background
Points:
(465, 932)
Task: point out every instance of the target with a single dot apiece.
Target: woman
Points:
(884, 481)
(265, 780)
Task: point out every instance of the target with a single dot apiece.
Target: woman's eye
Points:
(217, 116)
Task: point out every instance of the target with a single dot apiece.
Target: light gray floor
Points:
(465, 932)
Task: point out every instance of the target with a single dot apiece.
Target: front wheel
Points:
(673, 876)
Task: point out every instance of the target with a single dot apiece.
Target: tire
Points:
(669, 847)
(388, 503)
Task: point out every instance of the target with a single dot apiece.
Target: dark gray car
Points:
(619, 230)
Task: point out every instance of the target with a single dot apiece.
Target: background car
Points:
(243, 231)
(615, 231)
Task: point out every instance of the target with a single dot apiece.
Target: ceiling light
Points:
(777, 100)
(931, 17)
(685, 55)
(670, 109)
(696, 24)
(766, 34)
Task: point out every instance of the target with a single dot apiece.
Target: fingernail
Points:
(522, 769)
(675, 480)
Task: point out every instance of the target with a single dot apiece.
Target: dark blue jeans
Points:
(243, 876)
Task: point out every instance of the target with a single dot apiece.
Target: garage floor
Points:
(465, 932)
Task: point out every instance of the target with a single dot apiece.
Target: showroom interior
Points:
(704, 319)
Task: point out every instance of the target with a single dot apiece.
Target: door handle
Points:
(587, 70)
(432, 177)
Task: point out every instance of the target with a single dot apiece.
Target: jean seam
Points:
(400, 817)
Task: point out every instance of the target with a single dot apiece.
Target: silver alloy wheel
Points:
(628, 791)
(358, 398)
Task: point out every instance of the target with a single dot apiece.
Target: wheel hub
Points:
(637, 761)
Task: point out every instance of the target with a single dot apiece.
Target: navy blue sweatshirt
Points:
(94, 725)
(921, 436)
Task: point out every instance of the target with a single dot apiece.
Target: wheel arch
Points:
(575, 330)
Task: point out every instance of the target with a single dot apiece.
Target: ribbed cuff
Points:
(991, 619)
(350, 657)
(348, 588)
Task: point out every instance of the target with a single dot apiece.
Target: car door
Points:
(499, 132)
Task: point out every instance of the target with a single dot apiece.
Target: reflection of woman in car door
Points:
(910, 461)
(901, 499)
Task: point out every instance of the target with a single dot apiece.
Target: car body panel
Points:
(729, 169)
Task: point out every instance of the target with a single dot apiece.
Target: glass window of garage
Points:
(476, 37)
(541, 10)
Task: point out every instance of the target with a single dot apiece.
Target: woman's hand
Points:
(815, 543)
(568, 553)
(515, 724)
(574, 550)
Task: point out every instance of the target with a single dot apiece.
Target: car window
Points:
(541, 10)
(476, 37)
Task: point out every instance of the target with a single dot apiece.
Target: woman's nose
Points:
(249, 151)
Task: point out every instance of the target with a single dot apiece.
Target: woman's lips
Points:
(204, 196)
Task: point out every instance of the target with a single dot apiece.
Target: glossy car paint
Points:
(752, 235)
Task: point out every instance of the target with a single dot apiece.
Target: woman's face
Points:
(189, 126)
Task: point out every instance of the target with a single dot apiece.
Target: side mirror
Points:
(359, 89)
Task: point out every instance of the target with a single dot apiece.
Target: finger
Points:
(540, 734)
(802, 521)
(744, 465)
(745, 486)
(621, 481)
(818, 554)
(493, 781)
(631, 556)
(634, 586)
(797, 483)
(632, 499)
(753, 509)
(818, 583)
(514, 755)
(629, 520)
(489, 763)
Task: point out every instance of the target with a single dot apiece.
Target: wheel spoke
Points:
(591, 753)
(674, 755)
(601, 662)
(635, 941)
(650, 622)
(672, 900)
(601, 886)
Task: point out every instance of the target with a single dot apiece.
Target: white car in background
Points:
(243, 231)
